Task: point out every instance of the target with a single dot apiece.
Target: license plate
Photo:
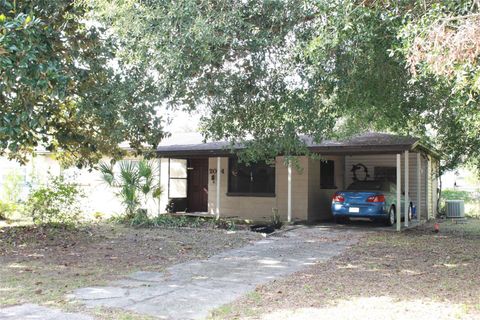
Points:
(354, 210)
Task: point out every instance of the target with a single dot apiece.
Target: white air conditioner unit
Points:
(455, 209)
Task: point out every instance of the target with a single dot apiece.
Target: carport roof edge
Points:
(366, 143)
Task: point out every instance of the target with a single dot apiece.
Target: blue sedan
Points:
(375, 200)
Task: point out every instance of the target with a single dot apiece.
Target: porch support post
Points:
(428, 186)
(398, 207)
(159, 184)
(407, 198)
(419, 181)
(217, 208)
(289, 196)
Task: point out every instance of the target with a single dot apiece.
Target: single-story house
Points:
(207, 177)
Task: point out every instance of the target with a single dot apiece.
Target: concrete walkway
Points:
(191, 290)
(36, 312)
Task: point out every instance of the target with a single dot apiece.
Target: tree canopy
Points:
(276, 70)
(267, 72)
(63, 88)
(441, 42)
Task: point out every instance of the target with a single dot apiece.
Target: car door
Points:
(393, 193)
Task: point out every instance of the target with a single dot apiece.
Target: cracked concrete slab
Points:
(192, 289)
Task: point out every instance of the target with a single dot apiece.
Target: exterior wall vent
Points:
(455, 209)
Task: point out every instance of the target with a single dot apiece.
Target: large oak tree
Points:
(63, 89)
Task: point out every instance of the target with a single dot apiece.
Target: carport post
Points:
(289, 195)
(419, 180)
(159, 211)
(217, 209)
(398, 207)
(407, 200)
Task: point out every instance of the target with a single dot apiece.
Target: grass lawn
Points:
(42, 265)
(416, 274)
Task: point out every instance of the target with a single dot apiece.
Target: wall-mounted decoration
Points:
(360, 172)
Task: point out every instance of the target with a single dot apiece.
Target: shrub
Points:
(457, 195)
(11, 210)
(12, 187)
(97, 215)
(6, 210)
(141, 219)
(226, 224)
(57, 203)
(276, 220)
(167, 220)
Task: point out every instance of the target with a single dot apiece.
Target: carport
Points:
(411, 165)
(207, 176)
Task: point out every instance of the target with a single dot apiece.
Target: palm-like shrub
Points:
(135, 183)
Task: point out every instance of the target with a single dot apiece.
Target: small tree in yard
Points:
(136, 183)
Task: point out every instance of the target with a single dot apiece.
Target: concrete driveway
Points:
(191, 290)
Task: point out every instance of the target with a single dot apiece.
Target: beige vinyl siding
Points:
(314, 191)
(319, 200)
(389, 160)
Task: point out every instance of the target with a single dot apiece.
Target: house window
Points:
(256, 179)
(177, 178)
(327, 174)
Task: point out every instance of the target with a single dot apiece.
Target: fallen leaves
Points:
(49, 266)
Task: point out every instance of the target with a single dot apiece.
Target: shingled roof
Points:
(367, 143)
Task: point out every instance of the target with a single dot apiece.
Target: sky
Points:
(183, 128)
(182, 122)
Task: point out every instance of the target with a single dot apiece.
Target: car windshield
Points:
(368, 185)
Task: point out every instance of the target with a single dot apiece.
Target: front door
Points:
(197, 195)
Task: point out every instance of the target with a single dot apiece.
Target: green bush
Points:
(276, 220)
(12, 187)
(57, 203)
(98, 216)
(457, 195)
(167, 220)
(226, 224)
(8, 210)
(141, 219)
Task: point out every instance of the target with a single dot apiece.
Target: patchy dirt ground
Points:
(41, 265)
(413, 275)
